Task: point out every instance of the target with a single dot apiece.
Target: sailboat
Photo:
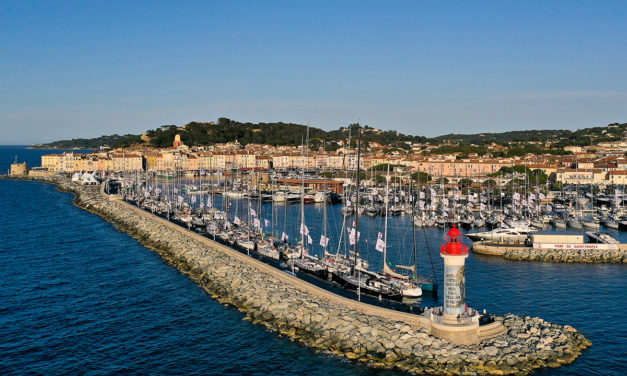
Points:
(306, 262)
(409, 289)
(360, 279)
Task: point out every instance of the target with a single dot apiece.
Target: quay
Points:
(322, 320)
(586, 253)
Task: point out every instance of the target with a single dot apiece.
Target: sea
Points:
(78, 296)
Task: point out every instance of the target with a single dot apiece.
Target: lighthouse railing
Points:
(470, 317)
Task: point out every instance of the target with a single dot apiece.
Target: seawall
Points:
(519, 253)
(328, 322)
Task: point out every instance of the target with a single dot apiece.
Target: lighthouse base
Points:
(463, 330)
(459, 335)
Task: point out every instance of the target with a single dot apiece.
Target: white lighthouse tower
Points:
(454, 254)
(454, 321)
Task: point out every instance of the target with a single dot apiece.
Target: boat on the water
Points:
(574, 223)
(601, 237)
(517, 234)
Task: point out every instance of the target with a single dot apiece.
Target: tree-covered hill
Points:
(113, 141)
(557, 137)
(277, 134)
(290, 134)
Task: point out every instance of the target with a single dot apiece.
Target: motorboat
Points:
(537, 223)
(601, 237)
(559, 223)
(517, 234)
(574, 222)
(235, 194)
(610, 222)
(591, 223)
(320, 197)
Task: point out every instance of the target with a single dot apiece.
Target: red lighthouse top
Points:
(454, 245)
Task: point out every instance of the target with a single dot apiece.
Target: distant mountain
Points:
(281, 134)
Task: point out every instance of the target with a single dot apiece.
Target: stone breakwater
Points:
(553, 255)
(322, 320)
(568, 255)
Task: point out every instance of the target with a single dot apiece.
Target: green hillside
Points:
(281, 134)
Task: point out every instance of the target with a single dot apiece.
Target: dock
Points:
(586, 252)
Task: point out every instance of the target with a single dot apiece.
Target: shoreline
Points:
(325, 321)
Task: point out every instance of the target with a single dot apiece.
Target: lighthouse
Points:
(454, 321)
(454, 254)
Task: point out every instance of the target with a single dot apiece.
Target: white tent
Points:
(88, 179)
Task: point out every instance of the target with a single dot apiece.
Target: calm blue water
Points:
(77, 296)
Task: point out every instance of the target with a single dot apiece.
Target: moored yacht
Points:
(517, 234)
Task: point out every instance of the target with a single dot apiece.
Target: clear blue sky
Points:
(83, 69)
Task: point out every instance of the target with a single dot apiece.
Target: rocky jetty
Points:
(294, 311)
(519, 253)
(568, 255)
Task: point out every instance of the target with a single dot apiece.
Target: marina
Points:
(425, 300)
(421, 206)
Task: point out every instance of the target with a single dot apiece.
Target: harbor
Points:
(383, 345)
(386, 282)
(496, 226)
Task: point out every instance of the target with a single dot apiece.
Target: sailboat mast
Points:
(385, 227)
(412, 204)
(358, 182)
(302, 198)
(324, 226)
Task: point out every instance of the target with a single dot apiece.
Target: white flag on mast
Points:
(324, 241)
(380, 245)
(353, 236)
(303, 229)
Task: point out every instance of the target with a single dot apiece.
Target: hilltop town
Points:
(580, 157)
